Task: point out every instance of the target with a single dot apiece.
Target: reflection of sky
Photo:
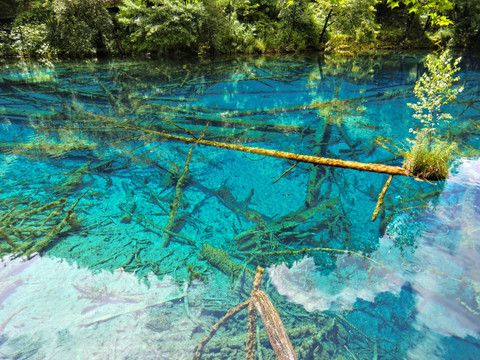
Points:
(443, 271)
(50, 309)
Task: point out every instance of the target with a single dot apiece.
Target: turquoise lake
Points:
(121, 242)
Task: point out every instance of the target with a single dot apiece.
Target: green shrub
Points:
(163, 26)
(428, 156)
(80, 28)
(28, 32)
(30, 40)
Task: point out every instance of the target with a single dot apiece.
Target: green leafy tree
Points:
(297, 28)
(232, 27)
(162, 26)
(434, 9)
(429, 156)
(79, 27)
(351, 20)
(434, 90)
(29, 29)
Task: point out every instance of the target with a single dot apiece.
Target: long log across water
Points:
(378, 168)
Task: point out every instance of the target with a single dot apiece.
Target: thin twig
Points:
(286, 172)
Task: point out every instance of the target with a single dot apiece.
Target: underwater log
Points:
(252, 317)
(53, 233)
(129, 205)
(214, 329)
(273, 324)
(221, 260)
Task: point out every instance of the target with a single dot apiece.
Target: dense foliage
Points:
(91, 32)
(84, 28)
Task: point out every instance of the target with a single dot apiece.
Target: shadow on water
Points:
(150, 242)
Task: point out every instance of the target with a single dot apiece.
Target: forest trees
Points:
(58, 28)
(76, 28)
(165, 26)
(91, 32)
(434, 9)
(349, 21)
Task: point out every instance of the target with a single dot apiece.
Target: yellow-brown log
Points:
(316, 160)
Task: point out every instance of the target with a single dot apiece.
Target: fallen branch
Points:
(217, 326)
(252, 318)
(220, 259)
(320, 249)
(285, 172)
(54, 231)
(179, 192)
(187, 241)
(378, 168)
(380, 198)
(273, 324)
(4, 324)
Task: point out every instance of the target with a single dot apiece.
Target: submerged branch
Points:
(286, 172)
(46, 241)
(279, 339)
(179, 192)
(260, 302)
(214, 329)
(252, 318)
(380, 198)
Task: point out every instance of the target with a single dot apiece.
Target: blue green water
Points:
(88, 187)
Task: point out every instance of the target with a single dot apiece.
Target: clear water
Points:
(88, 184)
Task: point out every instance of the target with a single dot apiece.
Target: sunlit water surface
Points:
(88, 187)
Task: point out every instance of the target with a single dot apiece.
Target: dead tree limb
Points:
(217, 326)
(285, 172)
(377, 168)
(30, 248)
(252, 318)
(380, 197)
(273, 324)
(179, 192)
